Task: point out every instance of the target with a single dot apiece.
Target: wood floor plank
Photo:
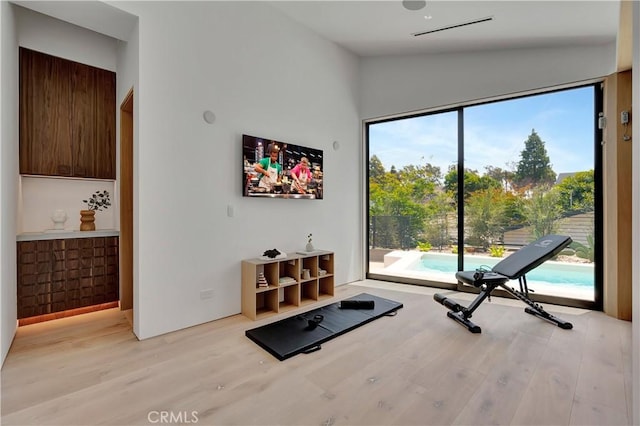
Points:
(498, 396)
(416, 368)
(548, 398)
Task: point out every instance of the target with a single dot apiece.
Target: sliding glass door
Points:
(410, 211)
(465, 188)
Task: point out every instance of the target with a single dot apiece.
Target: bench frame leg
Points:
(461, 314)
(535, 308)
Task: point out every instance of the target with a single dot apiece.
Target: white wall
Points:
(54, 37)
(394, 85)
(8, 177)
(261, 74)
(42, 195)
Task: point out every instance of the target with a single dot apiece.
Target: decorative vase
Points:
(87, 220)
(309, 247)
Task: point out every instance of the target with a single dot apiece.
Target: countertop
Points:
(65, 234)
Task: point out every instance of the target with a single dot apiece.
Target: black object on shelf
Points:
(271, 253)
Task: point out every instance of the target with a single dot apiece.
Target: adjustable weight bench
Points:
(512, 267)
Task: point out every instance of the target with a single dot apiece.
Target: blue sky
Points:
(494, 134)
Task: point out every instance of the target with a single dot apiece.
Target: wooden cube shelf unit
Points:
(288, 286)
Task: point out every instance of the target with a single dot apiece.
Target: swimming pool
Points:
(549, 272)
(574, 280)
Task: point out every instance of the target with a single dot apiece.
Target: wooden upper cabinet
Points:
(83, 113)
(45, 124)
(67, 118)
(105, 154)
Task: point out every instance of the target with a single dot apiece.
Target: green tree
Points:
(440, 215)
(534, 168)
(397, 203)
(542, 212)
(421, 179)
(485, 216)
(472, 182)
(513, 209)
(376, 169)
(505, 177)
(576, 192)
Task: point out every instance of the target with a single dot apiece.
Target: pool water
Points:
(550, 272)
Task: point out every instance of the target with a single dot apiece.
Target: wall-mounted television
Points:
(274, 169)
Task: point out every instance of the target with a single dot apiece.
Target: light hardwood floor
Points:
(417, 368)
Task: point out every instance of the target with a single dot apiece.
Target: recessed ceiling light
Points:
(427, 17)
(414, 4)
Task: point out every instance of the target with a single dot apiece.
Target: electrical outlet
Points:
(624, 117)
(206, 293)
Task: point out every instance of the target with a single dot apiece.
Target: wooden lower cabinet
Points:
(58, 275)
(293, 281)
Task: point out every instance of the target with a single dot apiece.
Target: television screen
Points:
(274, 169)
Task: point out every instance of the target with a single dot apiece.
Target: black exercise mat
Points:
(291, 336)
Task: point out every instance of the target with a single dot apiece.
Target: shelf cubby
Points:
(288, 297)
(325, 286)
(308, 291)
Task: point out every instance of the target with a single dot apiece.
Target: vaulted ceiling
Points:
(372, 28)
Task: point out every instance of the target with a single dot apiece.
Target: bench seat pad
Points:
(476, 278)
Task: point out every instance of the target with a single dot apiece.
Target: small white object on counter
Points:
(59, 217)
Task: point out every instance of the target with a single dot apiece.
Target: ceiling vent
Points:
(450, 27)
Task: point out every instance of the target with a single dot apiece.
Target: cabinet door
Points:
(41, 277)
(83, 110)
(45, 119)
(91, 265)
(105, 153)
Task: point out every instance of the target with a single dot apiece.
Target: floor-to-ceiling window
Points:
(464, 188)
(410, 210)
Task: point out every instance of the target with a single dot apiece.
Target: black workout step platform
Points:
(291, 336)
